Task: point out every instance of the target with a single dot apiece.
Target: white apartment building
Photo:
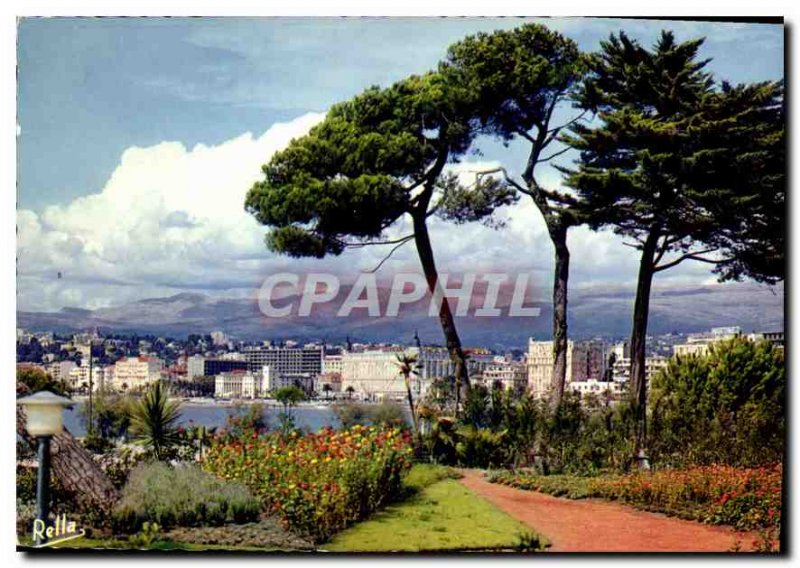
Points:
(611, 389)
(240, 383)
(236, 384)
(60, 370)
(699, 343)
(78, 377)
(510, 375)
(652, 366)
(585, 361)
(373, 373)
(195, 366)
(332, 364)
(135, 373)
(304, 381)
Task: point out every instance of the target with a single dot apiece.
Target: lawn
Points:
(441, 515)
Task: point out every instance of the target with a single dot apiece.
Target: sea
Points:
(308, 417)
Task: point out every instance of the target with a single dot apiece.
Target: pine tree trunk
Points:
(560, 284)
(74, 467)
(641, 311)
(425, 252)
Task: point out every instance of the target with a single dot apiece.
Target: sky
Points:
(139, 137)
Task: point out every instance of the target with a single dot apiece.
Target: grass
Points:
(440, 515)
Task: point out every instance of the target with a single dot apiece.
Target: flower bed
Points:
(318, 483)
(745, 498)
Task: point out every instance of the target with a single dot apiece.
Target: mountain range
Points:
(594, 312)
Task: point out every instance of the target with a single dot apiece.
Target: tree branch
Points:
(557, 129)
(553, 155)
(688, 256)
(506, 176)
(376, 243)
(390, 253)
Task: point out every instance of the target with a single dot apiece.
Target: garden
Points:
(248, 487)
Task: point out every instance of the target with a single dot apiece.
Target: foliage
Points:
(181, 496)
(354, 174)
(154, 419)
(243, 418)
(388, 413)
(112, 418)
(118, 463)
(745, 498)
(289, 397)
(678, 156)
(351, 413)
(480, 447)
(443, 516)
(37, 380)
(408, 365)
(147, 536)
(318, 483)
(500, 428)
(724, 407)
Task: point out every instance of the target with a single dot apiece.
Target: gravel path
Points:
(592, 525)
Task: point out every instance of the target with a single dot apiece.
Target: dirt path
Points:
(592, 525)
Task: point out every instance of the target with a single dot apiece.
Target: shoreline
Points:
(228, 403)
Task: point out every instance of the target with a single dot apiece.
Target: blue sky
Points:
(91, 89)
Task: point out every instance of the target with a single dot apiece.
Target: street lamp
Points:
(44, 413)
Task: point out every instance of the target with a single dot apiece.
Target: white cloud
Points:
(167, 217)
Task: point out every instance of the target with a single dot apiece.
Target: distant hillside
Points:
(606, 313)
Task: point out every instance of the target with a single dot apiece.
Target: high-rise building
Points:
(585, 361)
(286, 360)
(213, 367)
(195, 366)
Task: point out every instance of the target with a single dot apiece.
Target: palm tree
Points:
(350, 390)
(408, 365)
(154, 418)
(326, 388)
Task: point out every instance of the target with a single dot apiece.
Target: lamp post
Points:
(44, 412)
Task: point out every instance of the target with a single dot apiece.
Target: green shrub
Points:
(351, 413)
(181, 496)
(725, 407)
(388, 414)
(480, 447)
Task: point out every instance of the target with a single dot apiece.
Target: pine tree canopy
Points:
(373, 159)
(676, 157)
